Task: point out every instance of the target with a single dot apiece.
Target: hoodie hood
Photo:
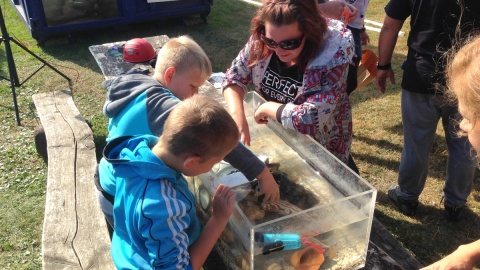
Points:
(123, 89)
(131, 156)
(136, 104)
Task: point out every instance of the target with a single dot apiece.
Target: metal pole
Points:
(11, 64)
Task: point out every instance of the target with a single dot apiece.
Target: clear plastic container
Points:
(326, 209)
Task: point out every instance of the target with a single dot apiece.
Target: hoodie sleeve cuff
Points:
(279, 113)
(245, 161)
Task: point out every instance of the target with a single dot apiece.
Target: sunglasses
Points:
(290, 44)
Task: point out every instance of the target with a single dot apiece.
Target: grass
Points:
(377, 146)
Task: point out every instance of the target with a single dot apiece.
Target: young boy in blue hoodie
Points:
(139, 104)
(156, 226)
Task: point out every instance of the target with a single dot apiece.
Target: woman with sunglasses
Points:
(298, 61)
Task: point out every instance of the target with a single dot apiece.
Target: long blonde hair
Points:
(463, 75)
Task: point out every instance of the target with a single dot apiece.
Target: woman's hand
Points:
(265, 111)
(242, 125)
(234, 96)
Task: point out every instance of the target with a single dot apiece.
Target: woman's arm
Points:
(267, 110)
(234, 96)
(234, 84)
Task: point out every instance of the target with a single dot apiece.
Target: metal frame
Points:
(12, 70)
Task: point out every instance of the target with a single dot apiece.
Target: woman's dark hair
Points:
(284, 12)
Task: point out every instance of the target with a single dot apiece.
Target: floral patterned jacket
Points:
(321, 108)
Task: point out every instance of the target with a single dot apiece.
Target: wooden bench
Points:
(75, 235)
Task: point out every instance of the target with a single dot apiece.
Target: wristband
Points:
(362, 29)
(384, 67)
(322, 1)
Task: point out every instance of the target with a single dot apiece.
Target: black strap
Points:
(107, 196)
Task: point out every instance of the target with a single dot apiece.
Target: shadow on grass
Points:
(396, 129)
(381, 143)
(428, 235)
(437, 158)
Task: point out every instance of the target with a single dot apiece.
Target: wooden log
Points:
(75, 234)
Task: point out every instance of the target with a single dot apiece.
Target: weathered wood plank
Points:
(385, 241)
(75, 235)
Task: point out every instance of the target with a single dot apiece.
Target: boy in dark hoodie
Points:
(139, 104)
(156, 226)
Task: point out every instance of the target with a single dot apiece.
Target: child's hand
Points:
(223, 202)
(268, 186)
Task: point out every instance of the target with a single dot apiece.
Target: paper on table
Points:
(234, 179)
(216, 79)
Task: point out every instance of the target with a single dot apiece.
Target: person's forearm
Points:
(388, 39)
(200, 250)
(234, 96)
(473, 251)
(244, 160)
(267, 110)
(464, 257)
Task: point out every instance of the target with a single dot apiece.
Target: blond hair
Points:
(463, 75)
(199, 125)
(183, 53)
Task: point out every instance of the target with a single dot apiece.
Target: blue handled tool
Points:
(276, 242)
(283, 241)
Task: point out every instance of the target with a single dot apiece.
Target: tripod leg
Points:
(43, 61)
(12, 85)
(13, 76)
(11, 64)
